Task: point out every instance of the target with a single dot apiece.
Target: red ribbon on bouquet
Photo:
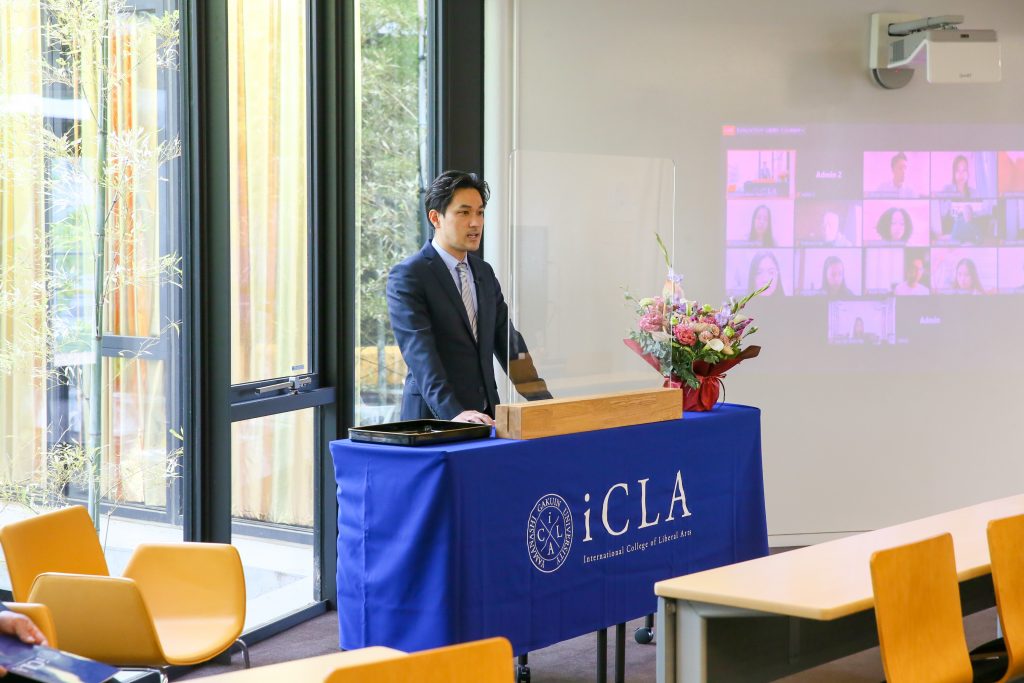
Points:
(709, 376)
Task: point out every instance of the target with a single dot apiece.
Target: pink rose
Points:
(685, 336)
(651, 322)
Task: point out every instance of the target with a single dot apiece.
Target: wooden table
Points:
(804, 607)
(312, 669)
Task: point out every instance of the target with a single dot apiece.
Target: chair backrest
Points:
(60, 541)
(101, 617)
(482, 661)
(1006, 552)
(917, 609)
(190, 580)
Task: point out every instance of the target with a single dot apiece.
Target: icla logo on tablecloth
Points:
(549, 533)
(549, 530)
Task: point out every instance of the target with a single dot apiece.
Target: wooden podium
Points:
(556, 416)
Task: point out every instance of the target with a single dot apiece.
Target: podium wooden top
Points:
(555, 416)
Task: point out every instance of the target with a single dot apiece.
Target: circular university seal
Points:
(549, 533)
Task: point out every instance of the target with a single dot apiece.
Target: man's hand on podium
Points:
(473, 416)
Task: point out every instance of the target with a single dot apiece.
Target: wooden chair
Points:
(919, 618)
(481, 661)
(309, 670)
(1005, 548)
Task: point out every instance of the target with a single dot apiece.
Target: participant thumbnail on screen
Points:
(896, 223)
(1013, 220)
(819, 223)
(750, 269)
(759, 222)
(964, 271)
(1011, 174)
(835, 273)
(862, 322)
(759, 173)
(901, 272)
(959, 222)
(828, 171)
(963, 175)
(1011, 271)
(896, 174)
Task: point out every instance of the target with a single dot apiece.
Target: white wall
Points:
(658, 78)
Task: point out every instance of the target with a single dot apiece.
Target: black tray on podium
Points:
(419, 432)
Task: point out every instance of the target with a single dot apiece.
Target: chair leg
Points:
(245, 650)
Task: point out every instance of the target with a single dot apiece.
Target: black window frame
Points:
(455, 140)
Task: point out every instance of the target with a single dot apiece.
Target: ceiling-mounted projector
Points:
(901, 42)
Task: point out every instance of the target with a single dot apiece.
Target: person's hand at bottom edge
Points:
(21, 627)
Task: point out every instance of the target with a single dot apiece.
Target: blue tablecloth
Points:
(543, 540)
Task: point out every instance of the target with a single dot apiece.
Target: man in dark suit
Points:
(449, 316)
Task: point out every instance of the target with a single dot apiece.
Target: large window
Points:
(273, 435)
(91, 256)
(269, 189)
(171, 264)
(392, 105)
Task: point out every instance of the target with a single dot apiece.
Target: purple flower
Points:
(740, 327)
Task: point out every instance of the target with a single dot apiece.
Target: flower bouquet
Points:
(691, 344)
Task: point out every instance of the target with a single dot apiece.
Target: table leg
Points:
(602, 656)
(523, 669)
(620, 653)
(665, 656)
(691, 644)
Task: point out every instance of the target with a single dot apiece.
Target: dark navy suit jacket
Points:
(449, 371)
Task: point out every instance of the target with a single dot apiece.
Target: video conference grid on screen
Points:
(868, 229)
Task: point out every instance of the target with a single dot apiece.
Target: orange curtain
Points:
(23, 320)
(43, 264)
(134, 411)
(271, 457)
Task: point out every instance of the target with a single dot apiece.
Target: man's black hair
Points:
(439, 194)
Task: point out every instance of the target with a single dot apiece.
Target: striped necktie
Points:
(467, 295)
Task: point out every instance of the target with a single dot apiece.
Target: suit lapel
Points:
(447, 283)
